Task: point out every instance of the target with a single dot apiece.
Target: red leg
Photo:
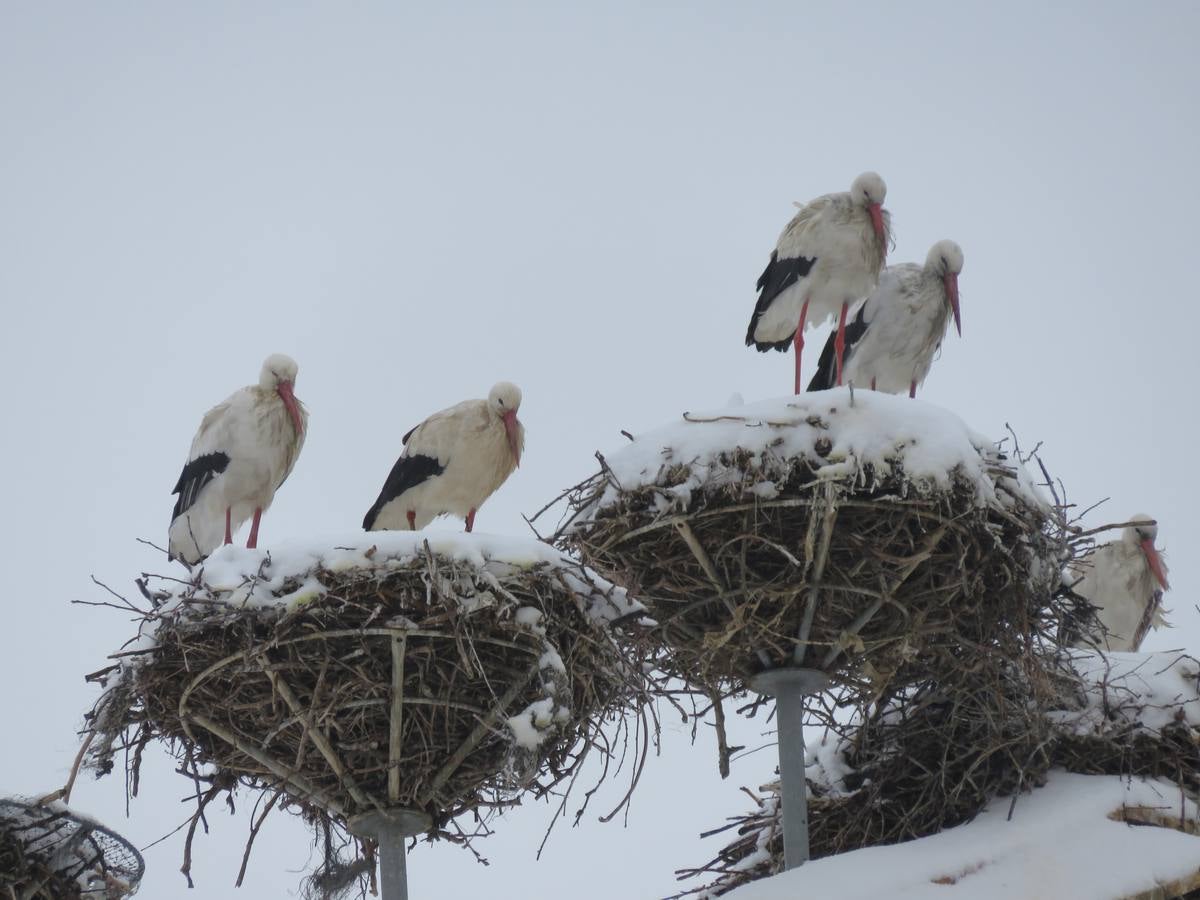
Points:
(840, 341)
(912, 389)
(470, 520)
(799, 342)
(253, 541)
(228, 533)
(412, 519)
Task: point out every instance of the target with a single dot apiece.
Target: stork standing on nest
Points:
(1125, 584)
(452, 462)
(243, 452)
(891, 343)
(828, 257)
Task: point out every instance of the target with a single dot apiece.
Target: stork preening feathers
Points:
(891, 343)
(828, 257)
(1125, 584)
(452, 462)
(243, 452)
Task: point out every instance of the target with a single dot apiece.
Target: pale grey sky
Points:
(416, 202)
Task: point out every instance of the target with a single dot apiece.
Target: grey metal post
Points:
(789, 688)
(389, 830)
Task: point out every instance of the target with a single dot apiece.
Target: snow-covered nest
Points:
(48, 852)
(1118, 714)
(440, 673)
(865, 530)
(1077, 838)
(1130, 714)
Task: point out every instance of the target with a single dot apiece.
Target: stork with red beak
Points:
(245, 449)
(891, 343)
(1124, 584)
(452, 462)
(828, 257)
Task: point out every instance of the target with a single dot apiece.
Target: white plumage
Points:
(828, 257)
(891, 343)
(452, 462)
(1124, 582)
(245, 449)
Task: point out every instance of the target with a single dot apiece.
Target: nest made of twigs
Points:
(432, 683)
(862, 572)
(49, 853)
(922, 768)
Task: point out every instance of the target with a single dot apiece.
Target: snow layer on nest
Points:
(1065, 841)
(1145, 690)
(240, 577)
(932, 446)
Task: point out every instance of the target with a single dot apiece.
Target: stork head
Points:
(279, 375)
(869, 192)
(1143, 534)
(945, 261)
(503, 401)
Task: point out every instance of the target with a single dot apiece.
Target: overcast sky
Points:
(418, 200)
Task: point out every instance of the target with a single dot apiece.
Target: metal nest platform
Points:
(853, 576)
(440, 684)
(48, 852)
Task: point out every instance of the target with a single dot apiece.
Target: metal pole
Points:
(389, 830)
(789, 688)
(393, 870)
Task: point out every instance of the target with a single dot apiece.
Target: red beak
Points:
(1155, 563)
(951, 281)
(512, 429)
(876, 212)
(293, 407)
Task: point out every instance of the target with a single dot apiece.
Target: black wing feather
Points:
(407, 473)
(826, 375)
(777, 277)
(195, 475)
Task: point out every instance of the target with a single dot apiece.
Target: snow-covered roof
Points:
(845, 434)
(1068, 840)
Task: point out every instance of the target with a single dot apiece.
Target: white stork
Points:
(1125, 584)
(828, 257)
(891, 342)
(243, 452)
(452, 462)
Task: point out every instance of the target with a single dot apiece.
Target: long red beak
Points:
(876, 212)
(293, 407)
(1155, 563)
(952, 294)
(511, 428)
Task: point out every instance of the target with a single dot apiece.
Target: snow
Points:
(536, 722)
(825, 765)
(241, 577)
(932, 447)
(1065, 841)
(1146, 691)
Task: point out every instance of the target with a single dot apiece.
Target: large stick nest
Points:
(922, 768)
(432, 683)
(856, 575)
(48, 853)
